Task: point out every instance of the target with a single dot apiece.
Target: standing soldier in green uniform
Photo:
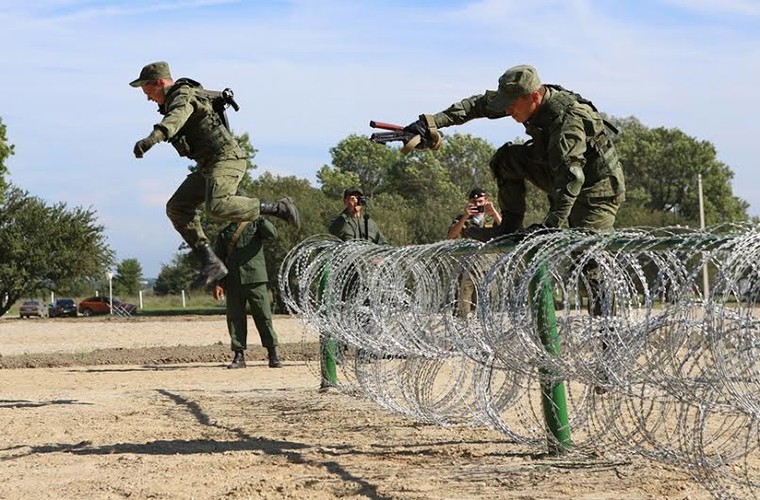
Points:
(351, 224)
(241, 246)
(570, 155)
(198, 131)
(479, 213)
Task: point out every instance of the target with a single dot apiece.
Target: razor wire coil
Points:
(658, 369)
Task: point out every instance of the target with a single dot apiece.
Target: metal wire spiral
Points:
(661, 369)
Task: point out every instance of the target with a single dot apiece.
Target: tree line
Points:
(413, 198)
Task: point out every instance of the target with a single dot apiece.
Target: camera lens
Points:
(481, 209)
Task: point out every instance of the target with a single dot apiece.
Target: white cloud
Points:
(308, 73)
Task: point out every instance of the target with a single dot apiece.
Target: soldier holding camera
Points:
(479, 212)
(351, 224)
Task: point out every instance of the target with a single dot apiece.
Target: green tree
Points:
(315, 208)
(177, 275)
(369, 162)
(45, 247)
(128, 279)
(6, 150)
(662, 167)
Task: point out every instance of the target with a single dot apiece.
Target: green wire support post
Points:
(553, 395)
(328, 348)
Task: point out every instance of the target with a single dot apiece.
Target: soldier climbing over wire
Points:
(195, 124)
(570, 157)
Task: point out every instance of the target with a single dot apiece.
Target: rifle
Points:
(397, 133)
(411, 140)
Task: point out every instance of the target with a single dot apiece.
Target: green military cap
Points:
(352, 190)
(515, 82)
(152, 72)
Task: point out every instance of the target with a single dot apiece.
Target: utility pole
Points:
(705, 281)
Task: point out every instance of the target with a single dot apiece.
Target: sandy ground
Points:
(109, 412)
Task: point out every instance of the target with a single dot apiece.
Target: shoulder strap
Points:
(236, 237)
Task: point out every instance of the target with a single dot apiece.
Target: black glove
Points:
(420, 127)
(143, 145)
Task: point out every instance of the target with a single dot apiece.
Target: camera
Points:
(480, 209)
(362, 200)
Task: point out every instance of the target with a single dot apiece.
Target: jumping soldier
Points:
(193, 122)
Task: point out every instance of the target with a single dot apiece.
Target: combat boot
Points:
(238, 361)
(273, 361)
(283, 209)
(212, 268)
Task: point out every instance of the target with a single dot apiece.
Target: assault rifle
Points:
(397, 133)
(221, 101)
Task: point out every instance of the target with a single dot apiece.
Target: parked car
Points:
(63, 307)
(31, 308)
(102, 305)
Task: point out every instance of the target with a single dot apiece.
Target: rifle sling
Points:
(235, 237)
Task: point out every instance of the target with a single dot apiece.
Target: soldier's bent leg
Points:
(182, 209)
(222, 200)
(212, 268)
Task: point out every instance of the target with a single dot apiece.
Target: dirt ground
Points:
(144, 408)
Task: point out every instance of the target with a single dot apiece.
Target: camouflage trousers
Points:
(215, 186)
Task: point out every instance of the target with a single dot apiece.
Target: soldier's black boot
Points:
(273, 361)
(238, 361)
(212, 268)
(284, 209)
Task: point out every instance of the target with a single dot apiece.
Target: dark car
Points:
(63, 307)
(31, 308)
(102, 305)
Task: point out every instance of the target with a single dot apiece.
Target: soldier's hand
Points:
(419, 127)
(143, 145)
(423, 135)
(218, 292)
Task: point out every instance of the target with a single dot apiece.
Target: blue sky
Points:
(308, 73)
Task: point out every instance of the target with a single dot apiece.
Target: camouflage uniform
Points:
(196, 131)
(570, 157)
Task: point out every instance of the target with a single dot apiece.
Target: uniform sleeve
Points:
(179, 109)
(566, 159)
(338, 228)
(467, 109)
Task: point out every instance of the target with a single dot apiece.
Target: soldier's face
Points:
(154, 92)
(352, 203)
(524, 106)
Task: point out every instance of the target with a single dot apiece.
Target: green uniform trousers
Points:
(256, 295)
(514, 164)
(216, 185)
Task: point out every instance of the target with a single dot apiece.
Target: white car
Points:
(33, 308)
